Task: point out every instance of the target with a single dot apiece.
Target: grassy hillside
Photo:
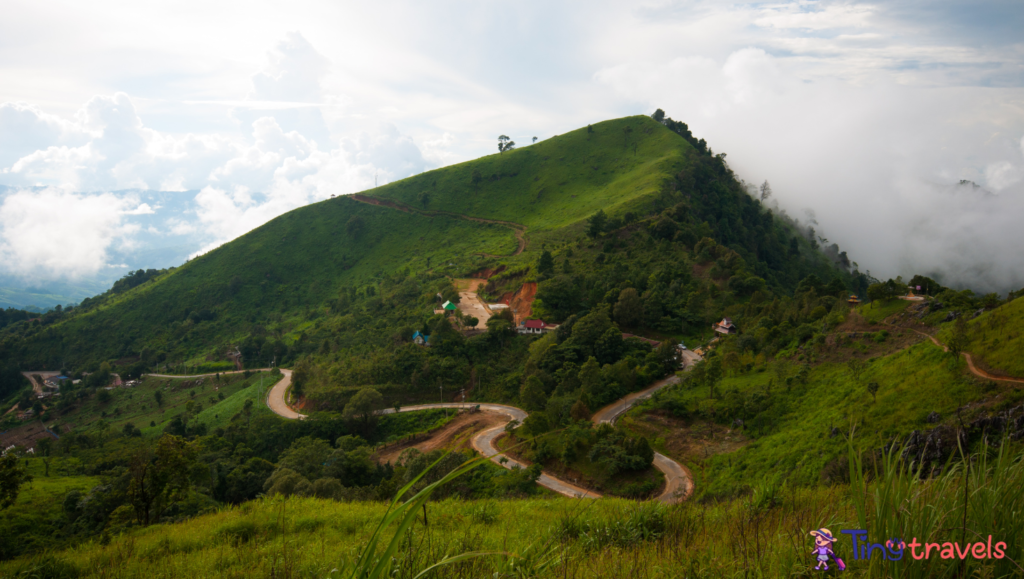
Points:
(276, 272)
(764, 535)
(996, 339)
(557, 182)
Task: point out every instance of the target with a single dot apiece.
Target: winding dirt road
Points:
(483, 442)
(678, 482)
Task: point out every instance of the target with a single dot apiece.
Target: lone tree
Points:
(355, 226)
(505, 144)
(12, 476)
(535, 139)
(958, 341)
(546, 265)
(659, 115)
(873, 389)
(596, 223)
(766, 191)
(364, 405)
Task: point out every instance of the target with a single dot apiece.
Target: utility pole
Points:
(440, 385)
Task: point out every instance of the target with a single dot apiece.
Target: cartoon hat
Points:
(824, 534)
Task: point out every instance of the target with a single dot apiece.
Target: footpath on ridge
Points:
(517, 228)
(970, 361)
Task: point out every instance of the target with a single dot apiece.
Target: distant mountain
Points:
(154, 243)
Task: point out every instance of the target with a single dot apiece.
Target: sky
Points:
(895, 129)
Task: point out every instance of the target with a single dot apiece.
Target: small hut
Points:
(725, 327)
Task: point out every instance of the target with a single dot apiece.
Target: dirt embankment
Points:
(517, 228)
(455, 436)
(521, 301)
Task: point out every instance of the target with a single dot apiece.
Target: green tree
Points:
(158, 478)
(959, 338)
(629, 309)
(532, 395)
(659, 115)
(546, 265)
(355, 226)
(766, 191)
(873, 389)
(306, 456)
(472, 321)
(505, 144)
(596, 223)
(713, 375)
(424, 198)
(477, 177)
(364, 404)
(580, 411)
(590, 378)
(12, 477)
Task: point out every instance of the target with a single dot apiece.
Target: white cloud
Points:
(57, 234)
(142, 209)
(865, 111)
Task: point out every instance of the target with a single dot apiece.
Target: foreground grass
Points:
(765, 535)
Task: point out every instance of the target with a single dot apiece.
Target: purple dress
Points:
(822, 553)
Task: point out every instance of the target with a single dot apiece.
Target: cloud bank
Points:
(870, 114)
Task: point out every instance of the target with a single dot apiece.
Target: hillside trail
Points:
(970, 361)
(517, 228)
(276, 398)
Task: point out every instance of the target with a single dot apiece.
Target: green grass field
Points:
(38, 503)
(790, 437)
(138, 404)
(879, 310)
(764, 535)
(557, 182)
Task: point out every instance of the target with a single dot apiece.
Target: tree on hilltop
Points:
(505, 144)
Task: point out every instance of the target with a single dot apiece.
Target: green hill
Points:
(278, 279)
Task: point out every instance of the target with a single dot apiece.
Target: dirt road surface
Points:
(276, 398)
(483, 442)
(37, 387)
(470, 303)
(459, 431)
(678, 480)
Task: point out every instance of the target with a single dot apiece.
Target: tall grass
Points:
(760, 536)
(975, 497)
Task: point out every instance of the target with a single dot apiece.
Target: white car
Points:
(682, 346)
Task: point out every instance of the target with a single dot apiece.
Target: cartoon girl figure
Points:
(823, 540)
